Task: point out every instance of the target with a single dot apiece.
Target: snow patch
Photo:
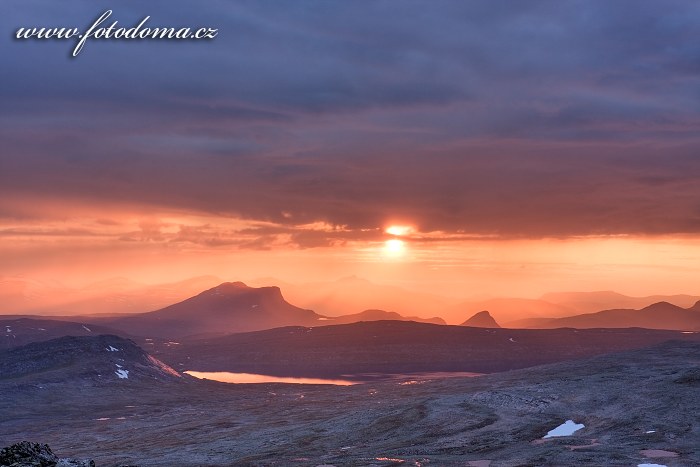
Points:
(651, 465)
(650, 431)
(123, 374)
(102, 418)
(86, 328)
(511, 339)
(7, 329)
(111, 349)
(118, 365)
(568, 428)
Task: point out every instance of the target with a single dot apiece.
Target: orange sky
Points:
(78, 247)
(529, 149)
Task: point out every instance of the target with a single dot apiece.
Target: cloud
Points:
(530, 120)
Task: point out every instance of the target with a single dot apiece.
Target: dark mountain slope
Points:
(90, 360)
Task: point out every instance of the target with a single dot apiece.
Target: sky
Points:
(515, 147)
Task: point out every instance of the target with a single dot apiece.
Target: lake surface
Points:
(250, 378)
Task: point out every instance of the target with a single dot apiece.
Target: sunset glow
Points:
(562, 180)
(394, 247)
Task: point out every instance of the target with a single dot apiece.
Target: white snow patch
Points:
(123, 374)
(568, 428)
(651, 465)
(118, 365)
(86, 328)
(102, 418)
(650, 431)
(511, 339)
(41, 329)
(255, 306)
(111, 349)
(7, 329)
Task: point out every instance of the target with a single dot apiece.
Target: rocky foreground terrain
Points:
(637, 407)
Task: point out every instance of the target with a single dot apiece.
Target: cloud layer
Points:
(516, 119)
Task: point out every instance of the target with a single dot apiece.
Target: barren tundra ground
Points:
(634, 405)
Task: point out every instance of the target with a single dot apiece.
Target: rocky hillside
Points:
(99, 360)
(22, 331)
(26, 454)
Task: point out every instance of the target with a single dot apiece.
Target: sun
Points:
(394, 247)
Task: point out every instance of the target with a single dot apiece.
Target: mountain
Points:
(482, 319)
(378, 315)
(91, 360)
(22, 331)
(590, 302)
(400, 347)
(227, 308)
(662, 315)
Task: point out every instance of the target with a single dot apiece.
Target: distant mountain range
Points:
(590, 302)
(662, 315)
(378, 315)
(346, 296)
(233, 307)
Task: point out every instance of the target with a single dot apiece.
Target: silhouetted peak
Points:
(482, 319)
(661, 306)
(695, 307)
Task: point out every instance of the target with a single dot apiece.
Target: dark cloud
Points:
(533, 118)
